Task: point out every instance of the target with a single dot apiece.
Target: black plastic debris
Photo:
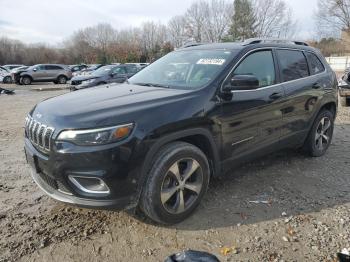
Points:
(343, 257)
(6, 91)
(192, 256)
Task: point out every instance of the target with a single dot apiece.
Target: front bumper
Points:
(51, 172)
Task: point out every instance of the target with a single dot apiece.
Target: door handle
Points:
(275, 96)
(316, 86)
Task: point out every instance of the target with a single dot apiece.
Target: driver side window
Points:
(259, 64)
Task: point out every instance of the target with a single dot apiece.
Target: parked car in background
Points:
(344, 90)
(5, 75)
(91, 68)
(10, 67)
(21, 68)
(59, 74)
(78, 68)
(104, 75)
(139, 65)
(156, 141)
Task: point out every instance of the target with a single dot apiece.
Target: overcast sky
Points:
(52, 21)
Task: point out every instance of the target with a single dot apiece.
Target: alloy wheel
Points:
(322, 137)
(62, 80)
(181, 186)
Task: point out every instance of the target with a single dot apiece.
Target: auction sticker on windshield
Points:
(211, 61)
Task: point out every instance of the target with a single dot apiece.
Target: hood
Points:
(109, 105)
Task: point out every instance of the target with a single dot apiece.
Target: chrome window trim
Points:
(266, 87)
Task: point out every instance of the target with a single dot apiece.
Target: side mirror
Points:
(35, 69)
(242, 82)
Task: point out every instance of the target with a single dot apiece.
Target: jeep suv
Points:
(155, 141)
(59, 74)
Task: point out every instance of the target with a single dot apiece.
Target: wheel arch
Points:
(26, 75)
(331, 106)
(60, 76)
(199, 137)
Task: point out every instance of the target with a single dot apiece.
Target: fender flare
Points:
(147, 163)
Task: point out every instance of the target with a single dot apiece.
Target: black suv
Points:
(155, 141)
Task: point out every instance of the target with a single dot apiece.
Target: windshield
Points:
(93, 67)
(187, 69)
(105, 70)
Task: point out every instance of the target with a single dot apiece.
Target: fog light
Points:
(91, 185)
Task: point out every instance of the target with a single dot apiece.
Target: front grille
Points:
(39, 134)
(76, 82)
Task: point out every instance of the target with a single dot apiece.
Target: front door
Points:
(252, 119)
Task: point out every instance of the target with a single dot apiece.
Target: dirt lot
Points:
(306, 216)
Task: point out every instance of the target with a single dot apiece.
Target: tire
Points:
(316, 143)
(61, 80)
(166, 208)
(26, 80)
(7, 80)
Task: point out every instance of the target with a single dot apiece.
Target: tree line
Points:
(204, 21)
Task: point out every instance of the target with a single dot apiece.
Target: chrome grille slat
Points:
(39, 134)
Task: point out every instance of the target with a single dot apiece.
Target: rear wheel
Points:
(320, 136)
(26, 80)
(176, 184)
(61, 80)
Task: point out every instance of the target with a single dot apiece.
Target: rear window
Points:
(53, 67)
(293, 65)
(315, 64)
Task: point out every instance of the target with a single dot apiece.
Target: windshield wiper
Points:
(151, 85)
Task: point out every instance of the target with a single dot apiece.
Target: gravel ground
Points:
(300, 209)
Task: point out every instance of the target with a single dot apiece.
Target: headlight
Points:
(88, 81)
(98, 136)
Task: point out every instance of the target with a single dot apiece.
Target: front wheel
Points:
(26, 80)
(321, 133)
(7, 80)
(176, 183)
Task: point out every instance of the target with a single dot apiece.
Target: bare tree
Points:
(177, 29)
(333, 16)
(273, 19)
(217, 22)
(195, 19)
(153, 36)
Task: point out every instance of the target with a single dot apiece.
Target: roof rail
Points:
(192, 44)
(253, 41)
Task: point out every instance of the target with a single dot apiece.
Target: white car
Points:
(5, 75)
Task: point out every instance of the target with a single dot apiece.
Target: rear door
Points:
(53, 71)
(302, 91)
(252, 119)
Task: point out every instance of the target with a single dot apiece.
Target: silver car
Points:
(59, 74)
